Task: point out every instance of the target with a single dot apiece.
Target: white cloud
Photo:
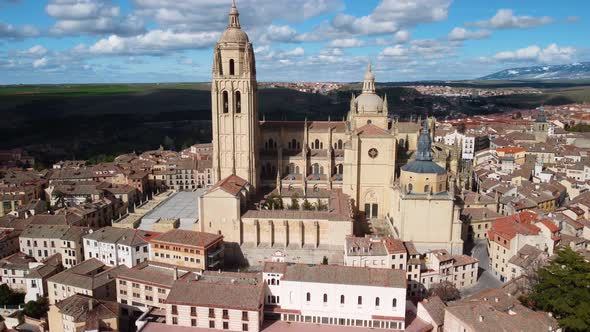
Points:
(9, 31)
(572, 19)
(35, 51)
(505, 19)
(299, 51)
(155, 42)
(402, 36)
(346, 43)
(278, 33)
(78, 17)
(394, 51)
(534, 53)
(459, 34)
(40, 63)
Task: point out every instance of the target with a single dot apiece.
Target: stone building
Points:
(327, 170)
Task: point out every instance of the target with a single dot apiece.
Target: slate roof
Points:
(423, 167)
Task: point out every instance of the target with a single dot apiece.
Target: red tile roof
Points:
(232, 184)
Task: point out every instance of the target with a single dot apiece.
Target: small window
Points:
(341, 299)
(325, 298)
(238, 102)
(225, 102)
(394, 304)
(377, 301)
(360, 300)
(308, 297)
(232, 67)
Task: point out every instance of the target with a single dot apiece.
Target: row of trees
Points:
(275, 202)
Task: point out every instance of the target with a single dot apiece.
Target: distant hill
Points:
(574, 71)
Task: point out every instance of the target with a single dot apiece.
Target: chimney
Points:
(90, 304)
(175, 273)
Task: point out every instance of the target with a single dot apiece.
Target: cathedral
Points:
(305, 184)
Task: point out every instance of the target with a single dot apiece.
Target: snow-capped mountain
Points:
(574, 71)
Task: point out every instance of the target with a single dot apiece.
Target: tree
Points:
(461, 127)
(60, 200)
(445, 290)
(36, 309)
(321, 206)
(273, 202)
(294, 203)
(325, 261)
(10, 297)
(563, 289)
(307, 206)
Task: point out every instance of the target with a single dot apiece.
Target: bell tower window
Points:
(238, 102)
(232, 69)
(225, 102)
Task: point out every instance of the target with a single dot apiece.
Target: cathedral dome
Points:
(369, 103)
(233, 35)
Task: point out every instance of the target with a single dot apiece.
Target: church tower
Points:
(234, 104)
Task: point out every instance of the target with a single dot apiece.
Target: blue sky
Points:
(104, 41)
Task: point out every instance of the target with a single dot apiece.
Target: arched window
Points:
(325, 298)
(360, 300)
(321, 145)
(410, 187)
(225, 102)
(426, 188)
(271, 144)
(272, 281)
(308, 297)
(238, 102)
(232, 65)
(341, 299)
(339, 144)
(394, 304)
(377, 301)
(294, 144)
(315, 169)
(296, 169)
(317, 144)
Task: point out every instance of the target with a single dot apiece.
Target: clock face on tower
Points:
(373, 153)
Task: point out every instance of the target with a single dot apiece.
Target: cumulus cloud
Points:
(40, 63)
(278, 33)
(505, 19)
(402, 36)
(425, 49)
(551, 54)
(346, 43)
(78, 17)
(155, 42)
(212, 14)
(34, 51)
(572, 19)
(459, 34)
(9, 31)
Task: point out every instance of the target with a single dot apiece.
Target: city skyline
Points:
(67, 41)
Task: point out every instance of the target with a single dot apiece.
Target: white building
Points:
(117, 246)
(336, 295)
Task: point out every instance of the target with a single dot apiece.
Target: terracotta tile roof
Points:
(519, 223)
(510, 150)
(188, 238)
(459, 260)
(232, 184)
(345, 275)
(230, 295)
(78, 307)
(551, 226)
(435, 308)
(371, 129)
(155, 273)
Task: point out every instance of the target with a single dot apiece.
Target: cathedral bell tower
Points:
(234, 104)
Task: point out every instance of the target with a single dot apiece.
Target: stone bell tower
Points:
(234, 104)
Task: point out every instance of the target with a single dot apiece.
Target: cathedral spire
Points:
(424, 152)
(369, 83)
(234, 20)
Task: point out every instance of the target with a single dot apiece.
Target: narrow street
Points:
(486, 278)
